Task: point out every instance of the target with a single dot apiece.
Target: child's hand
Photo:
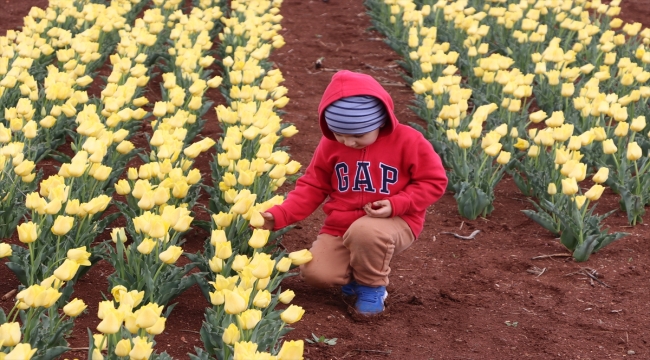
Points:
(269, 221)
(379, 209)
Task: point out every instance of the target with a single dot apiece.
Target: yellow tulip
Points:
(595, 192)
(231, 334)
(300, 257)
(262, 299)
(569, 186)
(245, 350)
(62, 225)
(493, 149)
(67, 270)
(580, 200)
(552, 189)
(609, 147)
(240, 262)
(24, 168)
(170, 255)
(248, 319)
(503, 158)
(291, 350)
(223, 250)
(142, 349)
(122, 187)
(638, 124)
(283, 265)
(148, 315)
(292, 314)
(289, 131)
(27, 232)
(5, 250)
(158, 327)
(601, 176)
(286, 296)
(10, 334)
(21, 352)
(118, 233)
(74, 308)
(216, 264)
(79, 255)
(464, 140)
(111, 323)
(234, 303)
(259, 238)
(146, 246)
(123, 347)
(634, 151)
(621, 129)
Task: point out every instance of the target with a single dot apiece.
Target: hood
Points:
(347, 83)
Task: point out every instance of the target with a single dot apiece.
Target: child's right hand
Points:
(269, 221)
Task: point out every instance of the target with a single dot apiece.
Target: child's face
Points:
(358, 141)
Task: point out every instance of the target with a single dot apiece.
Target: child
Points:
(378, 177)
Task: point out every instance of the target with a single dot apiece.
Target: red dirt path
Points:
(449, 298)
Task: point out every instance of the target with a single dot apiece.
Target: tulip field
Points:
(141, 139)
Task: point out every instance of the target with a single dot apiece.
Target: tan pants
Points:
(362, 254)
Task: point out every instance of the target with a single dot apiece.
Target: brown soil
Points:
(449, 298)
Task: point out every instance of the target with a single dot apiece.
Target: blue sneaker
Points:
(349, 289)
(370, 300)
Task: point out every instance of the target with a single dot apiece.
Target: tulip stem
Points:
(154, 281)
(638, 181)
(31, 271)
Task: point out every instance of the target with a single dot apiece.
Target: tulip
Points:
(621, 129)
(146, 246)
(609, 147)
(158, 327)
(183, 223)
(262, 299)
(503, 158)
(142, 349)
(569, 186)
(74, 308)
(24, 168)
(234, 303)
(245, 350)
(231, 334)
(123, 347)
(240, 262)
(552, 189)
(259, 238)
(283, 265)
(122, 187)
(537, 116)
(62, 225)
(148, 315)
(248, 319)
(292, 314)
(170, 255)
(464, 140)
(118, 234)
(223, 250)
(21, 352)
(493, 149)
(67, 270)
(291, 350)
(286, 296)
(634, 151)
(595, 192)
(79, 255)
(222, 219)
(111, 323)
(638, 124)
(300, 257)
(27, 232)
(289, 131)
(601, 176)
(580, 201)
(217, 297)
(5, 250)
(10, 334)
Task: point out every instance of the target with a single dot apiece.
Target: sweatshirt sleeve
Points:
(427, 185)
(311, 190)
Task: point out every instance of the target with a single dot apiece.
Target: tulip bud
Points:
(552, 189)
(609, 147)
(595, 192)
(74, 308)
(580, 200)
(231, 334)
(601, 176)
(292, 314)
(569, 186)
(300, 257)
(27, 232)
(634, 151)
(234, 303)
(503, 158)
(292, 349)
(286, 296)
(10, 333)
(170, 255)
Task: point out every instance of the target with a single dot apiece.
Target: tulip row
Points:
(245, 266)
(36, 125)
(477, 41)
(156, 217)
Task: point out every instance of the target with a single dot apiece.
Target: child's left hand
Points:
(378, 209)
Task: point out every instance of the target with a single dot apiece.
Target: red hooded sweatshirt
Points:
(400, 166)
